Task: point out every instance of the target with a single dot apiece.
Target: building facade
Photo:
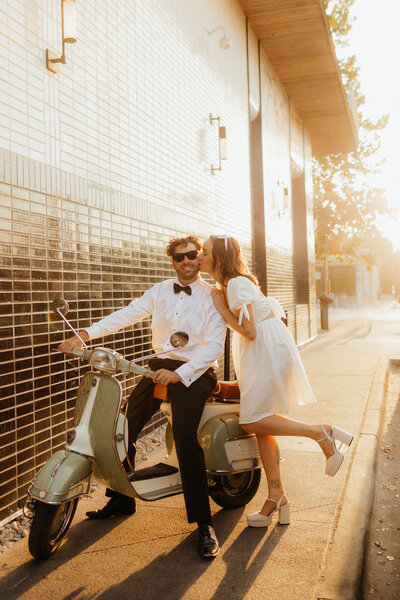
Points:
(102, 162)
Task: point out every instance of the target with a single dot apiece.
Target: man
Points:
(181, 304)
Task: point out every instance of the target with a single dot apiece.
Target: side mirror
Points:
(179, 339)
(60, 305)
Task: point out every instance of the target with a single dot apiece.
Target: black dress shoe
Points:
(115, 506)
(208, 543)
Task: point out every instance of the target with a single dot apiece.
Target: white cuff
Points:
(186, 374)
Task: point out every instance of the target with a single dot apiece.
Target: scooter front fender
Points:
(66, 475)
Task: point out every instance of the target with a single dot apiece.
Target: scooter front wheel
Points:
(50, 523)
(235, 489)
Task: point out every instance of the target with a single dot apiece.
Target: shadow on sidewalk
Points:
(79, 538)
(242, 567)
(170, 576)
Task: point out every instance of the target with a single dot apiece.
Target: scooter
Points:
(97, 447)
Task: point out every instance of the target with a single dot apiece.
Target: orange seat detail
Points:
(160, 392)
(223, 389)
(226, 389)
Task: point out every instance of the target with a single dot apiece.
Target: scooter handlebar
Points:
(131, 367)
(81, 352)
(123, 365)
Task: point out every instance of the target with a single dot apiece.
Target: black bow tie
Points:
(182, 288)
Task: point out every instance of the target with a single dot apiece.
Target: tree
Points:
(345, 204)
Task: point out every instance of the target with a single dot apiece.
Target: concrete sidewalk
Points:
(381, 575)
(153, 555)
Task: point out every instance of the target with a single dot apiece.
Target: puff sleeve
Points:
(241, 292)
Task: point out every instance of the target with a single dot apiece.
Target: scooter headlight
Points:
(104, 359)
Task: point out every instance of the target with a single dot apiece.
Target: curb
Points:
(342, 564)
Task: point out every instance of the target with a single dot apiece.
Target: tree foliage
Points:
(340, 22)
(346, 205)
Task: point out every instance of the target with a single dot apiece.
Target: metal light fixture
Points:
(221, 143)
(224, 42)
(285, 189)
(68, 26)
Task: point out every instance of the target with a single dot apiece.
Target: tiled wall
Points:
(277, 178)
(130, 108)
(98, 260)
(286, 152)
(313, 314)
(100, 165)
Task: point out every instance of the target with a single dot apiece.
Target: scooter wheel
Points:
(50, 523)
(235, 489)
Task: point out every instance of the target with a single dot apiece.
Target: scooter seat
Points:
(226, 390)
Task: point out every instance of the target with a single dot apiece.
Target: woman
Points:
(269, 370)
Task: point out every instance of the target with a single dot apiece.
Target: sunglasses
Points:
(179, 256)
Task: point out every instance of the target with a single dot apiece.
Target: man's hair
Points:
(175, 242)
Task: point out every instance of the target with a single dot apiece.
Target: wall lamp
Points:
(224, 42)
(68, 28)
(221, 143)
(285, 189)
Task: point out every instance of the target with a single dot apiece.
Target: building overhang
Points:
(295, 36)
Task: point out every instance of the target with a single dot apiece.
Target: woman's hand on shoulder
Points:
(219, 300)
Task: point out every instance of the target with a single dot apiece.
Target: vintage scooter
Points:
(97, 446)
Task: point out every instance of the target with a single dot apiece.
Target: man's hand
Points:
(164, 376)
(73, 342)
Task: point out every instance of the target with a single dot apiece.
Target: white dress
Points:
(269, 370)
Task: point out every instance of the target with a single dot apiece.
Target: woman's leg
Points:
(270, 456)
(278, 425)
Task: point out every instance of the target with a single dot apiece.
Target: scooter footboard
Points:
(227, 447)
(66, 475)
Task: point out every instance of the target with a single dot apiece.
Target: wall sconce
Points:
(68, 29)
(221, 143)
(224, 42)
(282, 202)
(285, 189)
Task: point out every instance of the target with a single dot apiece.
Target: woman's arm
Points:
(248, 328)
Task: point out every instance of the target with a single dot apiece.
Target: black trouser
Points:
(187, 404)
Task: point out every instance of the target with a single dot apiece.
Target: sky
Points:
(375, 40)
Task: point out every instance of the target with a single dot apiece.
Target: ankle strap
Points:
(325, 436)
(278, 502)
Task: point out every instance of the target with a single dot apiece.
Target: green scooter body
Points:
(65, 476)
(226, 446)
(108, 469)
(68, 472)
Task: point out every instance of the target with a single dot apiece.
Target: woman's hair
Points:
(185, 241)
(227, 253)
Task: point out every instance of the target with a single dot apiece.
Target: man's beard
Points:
(190, 274)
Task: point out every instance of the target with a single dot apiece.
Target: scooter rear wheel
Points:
(235, 489)
(50, 523)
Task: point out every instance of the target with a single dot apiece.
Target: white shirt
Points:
(195, 314)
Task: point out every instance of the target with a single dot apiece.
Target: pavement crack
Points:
(135, 543)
